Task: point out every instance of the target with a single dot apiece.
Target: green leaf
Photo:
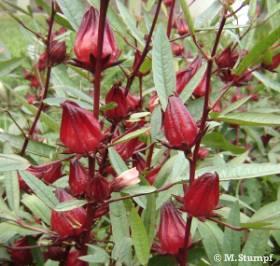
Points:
(156, 122)
(210, 243)
(268, 82)
(242, 171)
(130, 22)
(254, 56)
(34, 147)
(235, 105)
(96, 255)
(11, 162)
(37, 207)
(187, 16)
(12, 191)
(192, 84)
(218, 141)
(256, 245)
(43, 192)
(132, 135)
(122, 250)
(69, 205)
(73, 11)
(250, 119)
(139, 237)
(6, 67)
(163, 68)
(117, 161)
(137, 189)
(232, 239)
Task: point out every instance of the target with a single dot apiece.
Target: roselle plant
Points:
(140, 133)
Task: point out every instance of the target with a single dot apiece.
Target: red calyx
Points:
(21, 257)
(99, 189)
(177, 49)
(200, 90)
(227, 58)
(68, 223)
(179, 127)
(168, 3)
(181, 26)
(184, 76)
(171, 232)
(79, 130)
(202, 153)
(202, 197)
(116, 95)
(86, 42)
(78, 178)
(73, 258)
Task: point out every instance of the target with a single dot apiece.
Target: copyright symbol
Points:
(217, 258)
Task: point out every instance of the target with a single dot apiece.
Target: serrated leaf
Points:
(117, 161)
(250, 119)
(139, 237)
(132, 135)
(12, 190)
(232, 239)
(12, 162)
(37, 207)
(163, 68)
(69, 205)
(256, 245)
(33, 147)
(242, 171)
(73, 11)
(254, 56)
(43, 192)
(130, 22)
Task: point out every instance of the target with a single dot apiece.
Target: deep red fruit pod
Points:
(57, 52)
(55, 253)
(73, 258)
(200, 90)
(86, 43)
(181, 26)
(78, 178)
(68, 223)
(202, 197)
(177, 49)
(179, 127)
(116, 95)
(21, 257)
(171, 231)
(79, 130)
(127, 178)
(49, 172)
(227, 58)
(99, 189)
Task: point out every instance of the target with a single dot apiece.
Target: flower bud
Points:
(202, 153)
(179, 127)
(86, 42)
(177, 49)
(227, 58)
(168, 3)
(68, 223)
(20, 257)
(79, 131)
(202, 197)
(171, 232)
(184, 76)
(116, 96)
(181, 26)
(127, 178)
(73, 258)
(57, 52)
(78, 178)
(200, 90)
(99, 189)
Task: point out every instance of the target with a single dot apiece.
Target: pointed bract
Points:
(202, 197)
(79, 131)
(179, 127)
(78, 178)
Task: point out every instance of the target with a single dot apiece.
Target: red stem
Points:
(145, 51)
(202, 130)
(98, 65)
(170, 19)
(45, 89)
